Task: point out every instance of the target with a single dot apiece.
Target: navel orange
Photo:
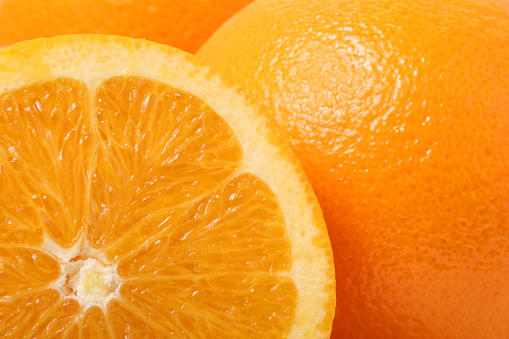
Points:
(140, 197)
(182, 24)
(399, 111)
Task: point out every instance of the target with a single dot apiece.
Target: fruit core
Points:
(89, 281)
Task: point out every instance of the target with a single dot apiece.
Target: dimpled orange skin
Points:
(399, 111)
(182, 24)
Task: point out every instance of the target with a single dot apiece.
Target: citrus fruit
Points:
(182, 24)
(399, 112)
(141, 197)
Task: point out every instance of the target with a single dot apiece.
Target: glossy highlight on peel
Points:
(138, 202)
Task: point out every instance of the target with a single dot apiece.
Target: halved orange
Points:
(141, 197)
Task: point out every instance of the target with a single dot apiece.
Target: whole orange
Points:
(182, 24)
(399, 111)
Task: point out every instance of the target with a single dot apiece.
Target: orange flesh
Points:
(143, 178)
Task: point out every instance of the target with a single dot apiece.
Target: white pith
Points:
(85, 274)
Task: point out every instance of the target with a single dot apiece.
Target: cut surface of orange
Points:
(141, 197)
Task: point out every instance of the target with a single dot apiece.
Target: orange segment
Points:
(94, 324)
(58, 320)
(238, 227)
(74, 333)
(25, 269)
(223, 305)
(160, 149)
(19, 316)
(126, 323)
(44, 127)
(149, 204)
(20, 220)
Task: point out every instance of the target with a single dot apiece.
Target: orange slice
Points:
(141, 197)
